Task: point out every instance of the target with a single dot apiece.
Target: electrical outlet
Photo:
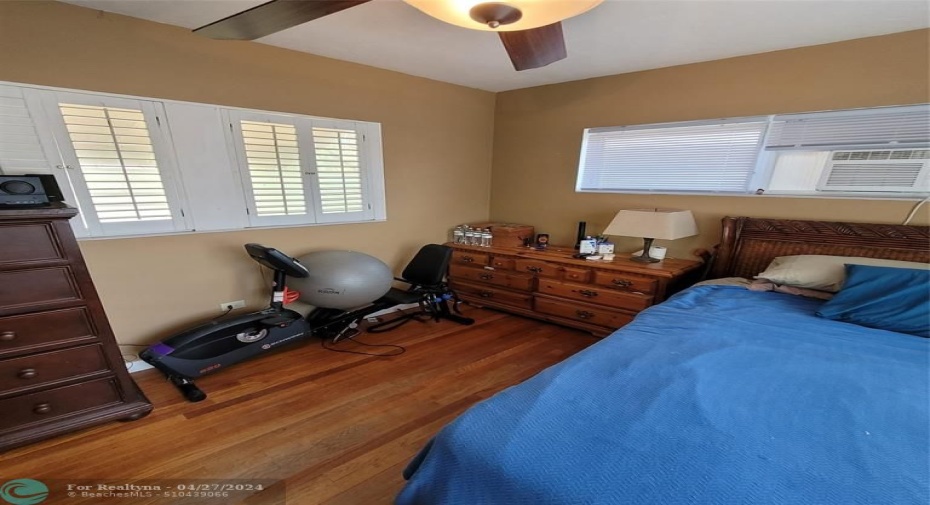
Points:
(238, 304)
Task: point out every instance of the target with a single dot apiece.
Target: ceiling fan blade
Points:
(272, 17)
(535, 48)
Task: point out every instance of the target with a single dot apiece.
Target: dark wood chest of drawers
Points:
(597, 296)
(60, 367)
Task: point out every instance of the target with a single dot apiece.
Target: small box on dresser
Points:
(596, 296)
(60, 366)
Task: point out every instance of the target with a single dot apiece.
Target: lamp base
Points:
(645, 258)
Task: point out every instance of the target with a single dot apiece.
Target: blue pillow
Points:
(894, 299)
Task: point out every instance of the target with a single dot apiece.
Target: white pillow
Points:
(824, 273)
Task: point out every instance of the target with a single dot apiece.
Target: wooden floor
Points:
(336, 428)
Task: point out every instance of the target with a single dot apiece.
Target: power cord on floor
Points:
(129, 359)
(399, 349)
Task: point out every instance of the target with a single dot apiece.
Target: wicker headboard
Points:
(748, 245)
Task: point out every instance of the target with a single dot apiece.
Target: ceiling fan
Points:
(531, 30)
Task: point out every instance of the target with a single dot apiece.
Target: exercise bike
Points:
(220, 343)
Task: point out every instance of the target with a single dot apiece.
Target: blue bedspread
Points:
(719, 396)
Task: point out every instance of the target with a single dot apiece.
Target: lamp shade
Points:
(664, 224)
(535, 13)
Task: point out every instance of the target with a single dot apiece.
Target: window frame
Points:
(766, 158)
(682, 124)
(197, 209)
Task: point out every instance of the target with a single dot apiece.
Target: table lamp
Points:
(651, 224)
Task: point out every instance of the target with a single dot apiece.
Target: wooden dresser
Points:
(597, 296)
(60, 367)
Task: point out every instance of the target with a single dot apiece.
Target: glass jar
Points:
(469, 236)
(486, 238)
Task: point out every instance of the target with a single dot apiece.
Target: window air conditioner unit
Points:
(904, 171)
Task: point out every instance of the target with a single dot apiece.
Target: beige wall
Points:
(437, 150)
(538, 131)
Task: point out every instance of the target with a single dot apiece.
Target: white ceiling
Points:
(618, 36)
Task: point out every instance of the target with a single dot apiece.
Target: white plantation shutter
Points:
(119, 163)
(718, 157)
(888, 127)
(21, 148)
(273, 166)
(338, 153)
(275, 175)
(301, 170)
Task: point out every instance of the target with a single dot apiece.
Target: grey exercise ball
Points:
(342, 279)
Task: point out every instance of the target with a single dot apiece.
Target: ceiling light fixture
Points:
(504, 16)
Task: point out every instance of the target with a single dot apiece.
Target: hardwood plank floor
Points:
(334, 428)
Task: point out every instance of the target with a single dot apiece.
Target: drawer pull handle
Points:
(584, 314)
(535, 270)
(7, 336)
(42, 408)
(467, 259)
(485, 277)
(588, 293)
(623, 283)
(27, 373)
(487, 294)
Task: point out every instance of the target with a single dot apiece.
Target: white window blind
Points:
(117, 163)
(273, 160)
(706, 157)
(339, 170)
(899, 127)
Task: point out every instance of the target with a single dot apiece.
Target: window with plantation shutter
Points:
(303, 170)
(137, 166)
(117, 160)
(715, 157)
(275, 175)
(21, 147)
(339, 173)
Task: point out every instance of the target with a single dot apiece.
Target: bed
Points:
(720, 395)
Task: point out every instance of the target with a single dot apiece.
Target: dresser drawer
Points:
(470, 258)
(510, 280)
(596, 294)
(21, 288)
(45, 367)
(521, 300)
(58, 402)
(27, 243)
(576, 274)
(44, 327)
(502, 263)
(583, 312)
(625, 282)
(537, 267)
